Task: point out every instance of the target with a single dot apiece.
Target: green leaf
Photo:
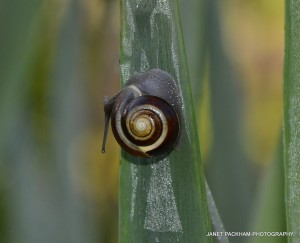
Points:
(161, 201)
(194, 26)
(292, 117)
(18, 30)
(215, 217)
(270, 208)
(230, 174)
(47, 117)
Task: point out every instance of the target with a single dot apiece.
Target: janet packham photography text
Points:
(249, 234)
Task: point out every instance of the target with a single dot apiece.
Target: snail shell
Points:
(145, 114)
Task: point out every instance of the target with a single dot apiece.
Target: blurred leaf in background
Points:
(55, 186)
(230, 174)
(269, 210)
(245, 41)
(194, 26)
(194, 16)
(253, 36)
(17, 32)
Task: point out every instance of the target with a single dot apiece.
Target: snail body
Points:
(145, 114)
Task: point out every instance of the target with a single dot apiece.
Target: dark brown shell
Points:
(150, 106)
(145, 114)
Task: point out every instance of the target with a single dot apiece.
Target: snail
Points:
(145, 114)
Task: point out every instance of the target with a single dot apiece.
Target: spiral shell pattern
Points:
(148, 126)
(145, 114)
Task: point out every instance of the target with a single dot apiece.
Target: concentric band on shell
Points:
(145, 114)
(148, 127)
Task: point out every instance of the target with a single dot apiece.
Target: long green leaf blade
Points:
(194, 26)
(215, 217)
(161, 201)
(227, 160)
(292, 117)
(270, 209)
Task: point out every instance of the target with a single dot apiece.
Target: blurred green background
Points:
(59, 58)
